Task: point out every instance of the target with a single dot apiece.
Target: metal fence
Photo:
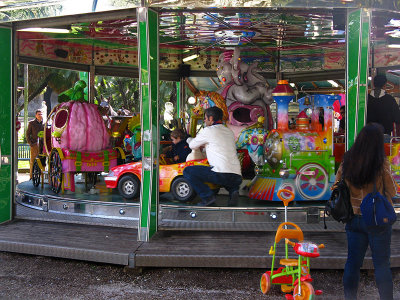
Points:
(24, 152)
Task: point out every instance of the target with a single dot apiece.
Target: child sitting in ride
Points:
(179, 149)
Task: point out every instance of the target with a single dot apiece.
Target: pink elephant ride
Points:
(76, 141)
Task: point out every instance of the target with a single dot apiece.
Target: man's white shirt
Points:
(220, 146)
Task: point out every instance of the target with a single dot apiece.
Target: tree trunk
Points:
(47, 99)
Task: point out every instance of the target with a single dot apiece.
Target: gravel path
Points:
(36, 277)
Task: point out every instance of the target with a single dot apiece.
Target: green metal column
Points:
(357, 32)
(148, 79)
(7, 128)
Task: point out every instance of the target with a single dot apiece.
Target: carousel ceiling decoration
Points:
(17, 10)
(287, 40)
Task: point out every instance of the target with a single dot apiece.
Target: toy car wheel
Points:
(265, 283)
(36, 172)
(128, 186)
(182, 190)
(307, 291)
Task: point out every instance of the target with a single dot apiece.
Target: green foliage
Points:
(31, 12)
(23, 164)
(74, 93)
(122, 91)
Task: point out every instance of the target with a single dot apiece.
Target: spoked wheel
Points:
(36, 172)
(265, 283)
(306, 293)
(55, 171)
(312, 181)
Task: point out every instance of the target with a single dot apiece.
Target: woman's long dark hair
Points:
(364, 161)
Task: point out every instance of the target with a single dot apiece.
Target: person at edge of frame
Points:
(34, 127)
(224, 169)
(364, 166)
(382, 108)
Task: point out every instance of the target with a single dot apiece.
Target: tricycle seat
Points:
(291, 262)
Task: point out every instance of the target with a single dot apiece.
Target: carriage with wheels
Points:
(76, 140)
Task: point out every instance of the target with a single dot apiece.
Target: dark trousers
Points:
(358, 239)
(199, 175)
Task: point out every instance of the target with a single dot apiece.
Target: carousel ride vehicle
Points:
(127, 179)
(75, 141)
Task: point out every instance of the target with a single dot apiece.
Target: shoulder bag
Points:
(338, 205)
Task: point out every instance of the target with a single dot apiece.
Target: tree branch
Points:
(37, 91)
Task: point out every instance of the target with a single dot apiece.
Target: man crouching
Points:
(224, 168)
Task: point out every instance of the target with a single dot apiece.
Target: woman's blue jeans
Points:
(358, 239)
(199, 175)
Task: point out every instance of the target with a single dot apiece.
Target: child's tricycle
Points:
(294, 275)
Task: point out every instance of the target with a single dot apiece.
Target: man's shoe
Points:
(207, 202)
(233, 199)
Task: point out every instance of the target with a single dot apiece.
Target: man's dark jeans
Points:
(199, 175)
(358, 238)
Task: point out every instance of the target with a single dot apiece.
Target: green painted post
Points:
(148, 80)
(363, 70)
(358, 30)
(7, 119)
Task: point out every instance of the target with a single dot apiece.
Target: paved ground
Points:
(36, 277)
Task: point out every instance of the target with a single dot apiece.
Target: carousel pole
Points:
(7, 123)
(357, 32)
(149, 114)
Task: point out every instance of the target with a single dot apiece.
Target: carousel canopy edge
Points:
(18, 10)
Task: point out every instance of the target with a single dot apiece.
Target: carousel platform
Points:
(169, 248)
(107, 207)
(102, 227)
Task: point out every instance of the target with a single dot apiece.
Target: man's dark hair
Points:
(38, 110)
(343, 107)
(214, 112)
(379, 81)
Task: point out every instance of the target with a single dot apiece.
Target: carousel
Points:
(280, 71)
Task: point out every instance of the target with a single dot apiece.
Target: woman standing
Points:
(364, 165)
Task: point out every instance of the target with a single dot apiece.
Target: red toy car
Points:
(127, 178)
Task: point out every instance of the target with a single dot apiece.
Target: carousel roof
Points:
(305, 44)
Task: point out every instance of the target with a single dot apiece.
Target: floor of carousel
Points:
(167, 248)
(102, 194)
(107, 207)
